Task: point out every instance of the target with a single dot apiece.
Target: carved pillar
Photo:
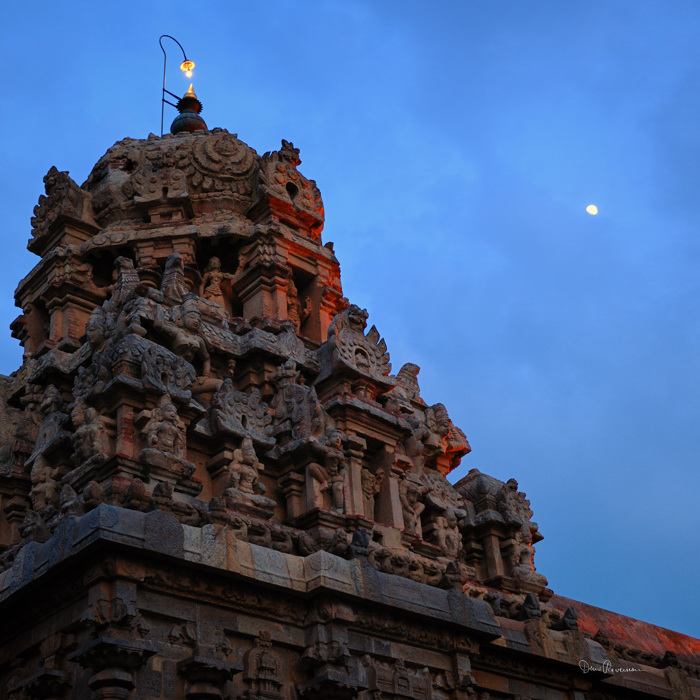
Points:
(388, 509)
(113, 663)
(206, 676)
(125, 431)
(263, 292)
(355, 450)
(46, 684)
(262, 286)
(326, 656)
(292, 485)
(492, 553)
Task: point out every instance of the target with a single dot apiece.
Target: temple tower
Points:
(212, 485)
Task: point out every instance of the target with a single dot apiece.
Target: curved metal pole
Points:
(165, 64)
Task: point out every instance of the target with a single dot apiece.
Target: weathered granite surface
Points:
(212, 485)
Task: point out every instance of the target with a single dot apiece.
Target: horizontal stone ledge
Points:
(217, 548)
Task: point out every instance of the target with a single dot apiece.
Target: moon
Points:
(592, 209)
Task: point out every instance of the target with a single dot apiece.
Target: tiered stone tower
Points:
(212, 486)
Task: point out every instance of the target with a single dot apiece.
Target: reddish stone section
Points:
(212, 485)
(630, 639)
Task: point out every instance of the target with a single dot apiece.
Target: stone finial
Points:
(189, 107)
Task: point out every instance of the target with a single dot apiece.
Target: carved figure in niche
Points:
(88, 438)
(244, 484)
(185, 340)
(334, 462)
(297, 412)
(166, 441)
(45, 487)
(211, 282)
(295, 312)
(411, 493)
(173, 284)
(371, 484)
(331, 476)
(261, 669)
(44, 475)
(447, 533)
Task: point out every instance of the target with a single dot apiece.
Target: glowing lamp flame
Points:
(186, 67)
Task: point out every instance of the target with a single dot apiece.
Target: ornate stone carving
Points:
(113, 663)
(244, 488)
(447, 534)
(173, 285)
(371, 485)
(351, 348)
(220, 163)
(296, 313)
(45, 474)
(89, 444)
(64, 200)
(98, 329)
(241, 414)
(183, 333)
(158, 189)
(212, 280)
(261, 671)
(411, 493)
(164, 371)
(165, 436)
(281, 179)
(127, 281)
(296, 410)
(407, 382)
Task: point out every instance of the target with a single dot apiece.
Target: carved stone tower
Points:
(212, 486)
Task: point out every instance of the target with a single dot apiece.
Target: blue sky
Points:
(456, 147)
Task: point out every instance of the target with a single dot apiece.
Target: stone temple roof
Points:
(210, 175)
(197, 393)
